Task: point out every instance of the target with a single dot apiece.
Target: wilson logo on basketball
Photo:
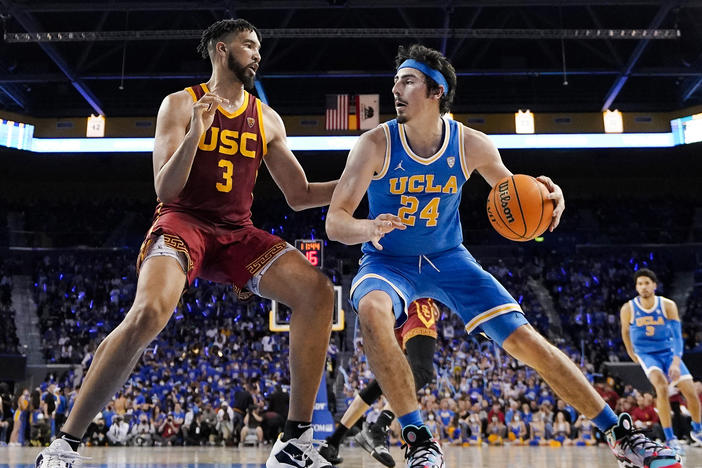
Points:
(503, 190)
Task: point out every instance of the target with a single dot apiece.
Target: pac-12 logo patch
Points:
(451, 160)
(251, 121)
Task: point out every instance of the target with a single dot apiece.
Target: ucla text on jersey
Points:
(424, 193)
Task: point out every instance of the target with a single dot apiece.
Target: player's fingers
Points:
(557, 213)
(376, 244)
(213, 97)
(546, 181)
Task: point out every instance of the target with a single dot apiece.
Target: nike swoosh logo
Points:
(298, 460)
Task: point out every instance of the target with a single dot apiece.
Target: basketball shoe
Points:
(373, 439)
(635, 450)
(296, 453)
(696, 437)
(675, 445)
(330, 453)
(421, 450)
(58, 455)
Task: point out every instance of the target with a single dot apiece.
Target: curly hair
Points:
(645, 272)
(437, 61)
(218, 30)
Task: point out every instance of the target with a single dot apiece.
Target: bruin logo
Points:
(503, 190)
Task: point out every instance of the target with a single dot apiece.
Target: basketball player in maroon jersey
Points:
(210, 141)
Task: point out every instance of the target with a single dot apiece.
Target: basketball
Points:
(518, 209)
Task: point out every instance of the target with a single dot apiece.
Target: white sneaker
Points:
(58, 455)
(675, 445)
(297, 453)
(696, 437)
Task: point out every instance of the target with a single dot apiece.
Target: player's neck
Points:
(647, 302)
(425, 134)
(227, 86)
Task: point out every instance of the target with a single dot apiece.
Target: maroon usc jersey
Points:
(221, 182)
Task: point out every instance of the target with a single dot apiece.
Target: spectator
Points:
(253, 424)
(142, 432)
(96, 435)
(166, 433)
(118, 433)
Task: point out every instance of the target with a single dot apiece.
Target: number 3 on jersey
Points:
(410, 205)
(228, 167)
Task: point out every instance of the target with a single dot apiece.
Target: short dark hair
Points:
(218, 30)
(437, 61)
(647, 273)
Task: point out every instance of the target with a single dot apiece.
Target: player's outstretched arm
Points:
(287, 171)
(625, 318)
(670, 309)
(486, 159)
(365, 159)
(179, 126)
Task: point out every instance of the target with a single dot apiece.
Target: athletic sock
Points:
(606, 419)
(294, 429)
(73, 441)
(411, 419)
(669, 434)
(338, 435)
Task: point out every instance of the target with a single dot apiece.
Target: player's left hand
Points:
(556, 194)
(674, 372)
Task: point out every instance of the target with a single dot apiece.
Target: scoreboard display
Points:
(313, 250)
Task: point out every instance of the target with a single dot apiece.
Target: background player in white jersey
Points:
(413, 168)
(652, 335)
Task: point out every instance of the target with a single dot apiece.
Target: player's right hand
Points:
(381, 225)
(203, 112)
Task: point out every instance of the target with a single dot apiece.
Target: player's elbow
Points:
(295, 203)
(330, 225)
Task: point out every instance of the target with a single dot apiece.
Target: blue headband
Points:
(427, 70)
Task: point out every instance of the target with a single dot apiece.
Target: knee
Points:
(423, 374)
(375, 310)
(145, 321)
(322, 296)
(527, 345)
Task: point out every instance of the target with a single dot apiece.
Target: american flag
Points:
(337, 116)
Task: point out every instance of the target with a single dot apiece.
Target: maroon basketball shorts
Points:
(230, 255)
(421, 320)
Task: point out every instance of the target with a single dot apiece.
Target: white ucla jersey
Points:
(424, 192)
(648, 328)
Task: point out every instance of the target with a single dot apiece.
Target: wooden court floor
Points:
(354, 457)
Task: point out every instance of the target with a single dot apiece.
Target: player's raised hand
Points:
(381, 225)
(204, 111)
(555, 194)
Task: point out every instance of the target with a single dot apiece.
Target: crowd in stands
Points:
(9, 342)
(223, 378)
(481, 397)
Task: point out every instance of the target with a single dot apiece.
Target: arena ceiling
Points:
(575, 55)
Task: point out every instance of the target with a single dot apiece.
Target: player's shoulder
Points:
(177, 100)
(667, 302)
(272, 121)
(477, 143)
(626, 307)
(375, 136)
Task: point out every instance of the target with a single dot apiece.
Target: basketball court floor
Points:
(255, 457)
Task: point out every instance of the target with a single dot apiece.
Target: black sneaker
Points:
(635, 450)
(373, 439)
(330, 453)
(421, 450)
